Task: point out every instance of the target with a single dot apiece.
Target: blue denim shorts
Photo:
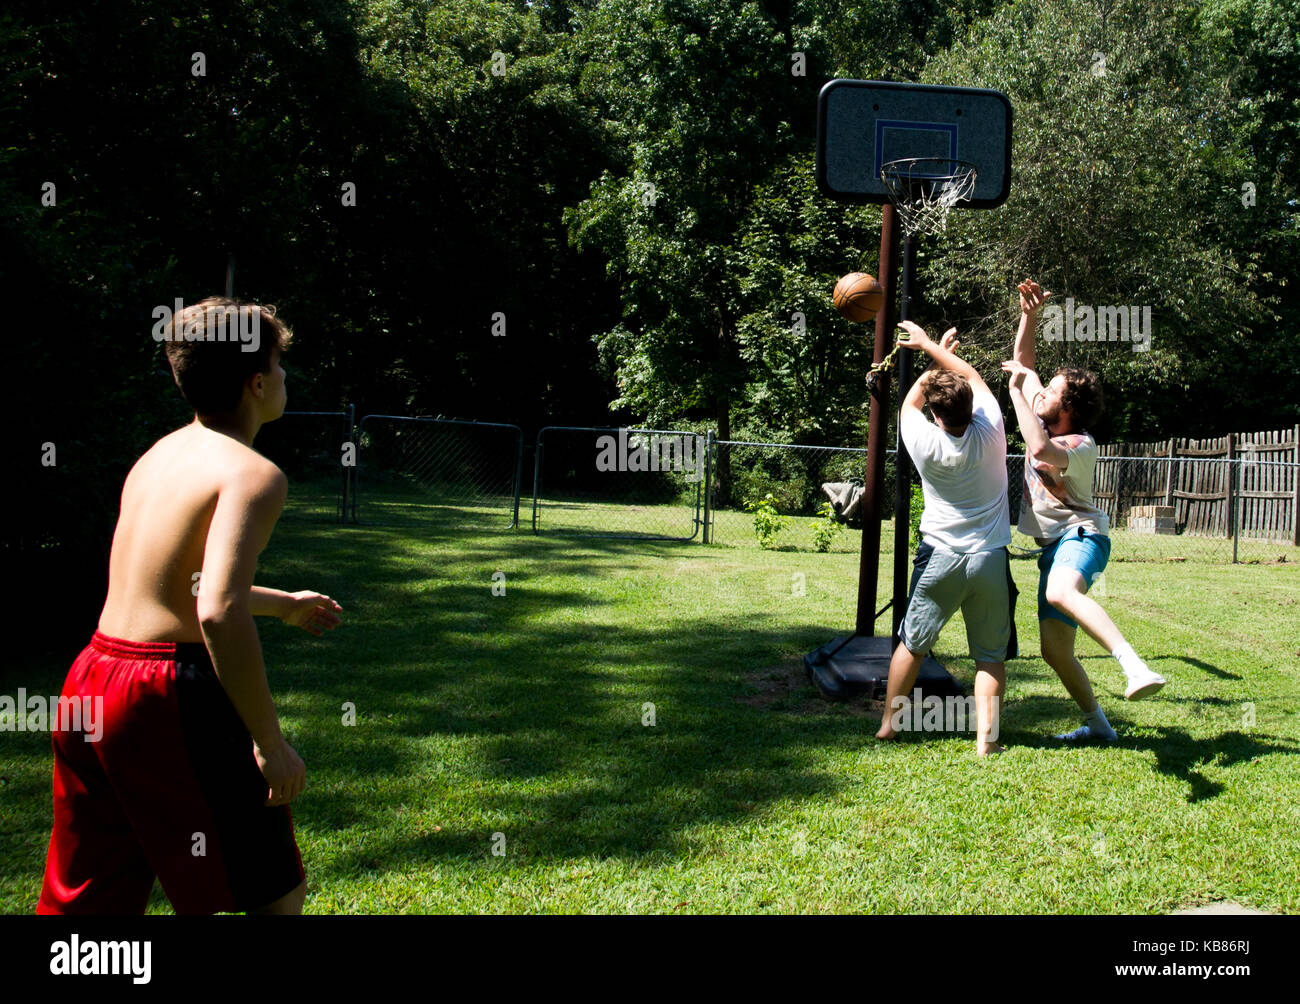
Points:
(1087, 553)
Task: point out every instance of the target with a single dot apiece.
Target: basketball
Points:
(858, 296)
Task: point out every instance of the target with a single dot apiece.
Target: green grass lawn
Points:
(515, 722)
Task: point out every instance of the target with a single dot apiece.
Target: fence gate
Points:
(633, 483)
(309, 446)
(423, 470)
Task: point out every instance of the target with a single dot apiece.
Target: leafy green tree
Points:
(1125, 163)
(499, 145)
(710, 224)
(695, 90)
(1256, 48)
(805, 363)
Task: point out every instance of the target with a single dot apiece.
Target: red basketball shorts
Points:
(170, 788)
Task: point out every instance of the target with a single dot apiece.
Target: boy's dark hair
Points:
(949, 396)
(1082, 395)
(210, 371)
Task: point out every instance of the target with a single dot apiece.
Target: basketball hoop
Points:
(923, 189)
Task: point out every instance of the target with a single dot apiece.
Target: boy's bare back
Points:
(166, 524)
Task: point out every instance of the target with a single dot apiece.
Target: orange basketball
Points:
(858, 296)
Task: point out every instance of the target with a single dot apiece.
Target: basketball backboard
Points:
(864, 124)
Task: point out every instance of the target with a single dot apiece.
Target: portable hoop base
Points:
(860, 668)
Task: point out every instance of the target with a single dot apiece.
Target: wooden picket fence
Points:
(1242, 484)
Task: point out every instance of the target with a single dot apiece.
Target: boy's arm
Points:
(266, 602)
(913, 399)
(943, 356)
(314, 612)
(1038, 445)
(1031, 298)
(246, 512)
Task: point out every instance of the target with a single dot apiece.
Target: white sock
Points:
(1129, 661)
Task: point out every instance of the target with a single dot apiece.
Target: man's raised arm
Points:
(1032, 298)
(942, 353)
(1038, 445)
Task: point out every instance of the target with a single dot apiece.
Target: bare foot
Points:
(990, 749)
(885, 731)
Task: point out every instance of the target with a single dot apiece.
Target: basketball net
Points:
(924, 189)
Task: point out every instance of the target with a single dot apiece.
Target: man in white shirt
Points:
(1058, 511)
(961, 458)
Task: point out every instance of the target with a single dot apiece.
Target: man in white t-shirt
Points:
(1058, 511)
(961, 458)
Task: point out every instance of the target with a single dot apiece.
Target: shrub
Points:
(767, 521)
(825, 531)
(917, 509)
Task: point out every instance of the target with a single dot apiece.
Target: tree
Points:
(1124, 143)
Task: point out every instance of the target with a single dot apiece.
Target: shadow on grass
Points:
(554, 733)
(544, 708)
(1178, 754)
(537, 708)
(1181, 756)
(1206, 667)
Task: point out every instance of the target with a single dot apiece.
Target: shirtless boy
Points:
(191, 779)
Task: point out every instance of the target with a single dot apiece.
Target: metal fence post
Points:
(351, 491)
(519, 474)
(356, 474)
(537, 474)
(709, 442)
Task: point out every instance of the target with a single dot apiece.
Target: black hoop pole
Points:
(902, 463)
(877, 421)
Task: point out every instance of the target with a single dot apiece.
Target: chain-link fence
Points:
(311, 447)
(645, 483)
(674, 484)
(1184, 509)
(425, 470)
(744, 473)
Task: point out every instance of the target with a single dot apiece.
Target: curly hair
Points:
(949, 396)
(1082, 395)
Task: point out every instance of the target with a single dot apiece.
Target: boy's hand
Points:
(1031, 296)
(1018, 374)
(949, 341)
(914, 336)
(314, 612)
(285, 773)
